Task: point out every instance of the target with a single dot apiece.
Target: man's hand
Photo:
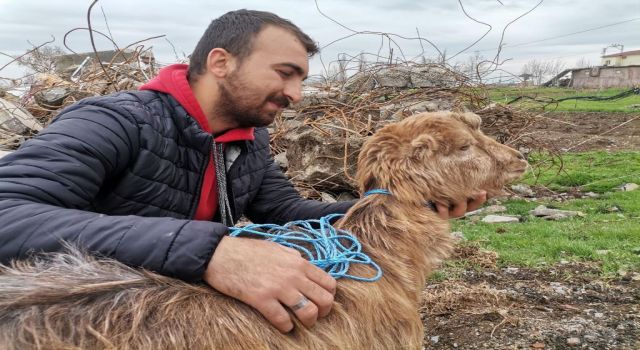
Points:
(455, 210)
(268, 276)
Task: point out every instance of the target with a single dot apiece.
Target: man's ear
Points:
(220, 62)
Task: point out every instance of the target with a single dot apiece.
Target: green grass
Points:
(539, 243)
(590, 171)
(505, 94)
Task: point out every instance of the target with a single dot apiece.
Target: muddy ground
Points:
(579, 132)
(567, 306)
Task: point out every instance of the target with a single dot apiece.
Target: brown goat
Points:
(70, 300)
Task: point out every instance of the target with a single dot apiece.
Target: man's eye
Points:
(285, 73)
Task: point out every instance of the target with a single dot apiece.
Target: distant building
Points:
(605, 77)
(628, 58)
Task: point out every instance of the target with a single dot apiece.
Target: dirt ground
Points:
(563, 307)
(588, 131)
(567, 306)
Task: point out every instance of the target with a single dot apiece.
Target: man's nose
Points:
(293, 91)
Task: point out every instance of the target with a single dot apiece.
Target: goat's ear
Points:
(471, 119)
(422, 143)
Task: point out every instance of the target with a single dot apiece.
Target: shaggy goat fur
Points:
(70, 300)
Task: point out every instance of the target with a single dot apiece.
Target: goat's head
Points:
(441, 156)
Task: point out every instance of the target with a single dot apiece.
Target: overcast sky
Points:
(543, 34)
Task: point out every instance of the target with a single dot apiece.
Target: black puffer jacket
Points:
(121, 175)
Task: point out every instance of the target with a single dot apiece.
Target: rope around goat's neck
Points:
(429, 204)
(331, 249)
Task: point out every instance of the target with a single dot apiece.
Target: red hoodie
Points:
(173, 81)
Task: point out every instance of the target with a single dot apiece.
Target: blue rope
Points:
(377, 191)
(330, 249)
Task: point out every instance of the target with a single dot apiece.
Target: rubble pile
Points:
(75, 77)
(318, 140)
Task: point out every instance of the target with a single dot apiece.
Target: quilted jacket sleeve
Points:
(278, 202)
(46, 189)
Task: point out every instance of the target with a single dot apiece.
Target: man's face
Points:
(266, 81)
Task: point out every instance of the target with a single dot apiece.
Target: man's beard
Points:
(239, 105)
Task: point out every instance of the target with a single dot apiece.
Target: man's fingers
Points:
(458, 210)
(320, 277)
(306, 311)
(275, 313)
(443, 211)
(322, 298)
(477, 201)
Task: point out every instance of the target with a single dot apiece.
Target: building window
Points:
(607, 62)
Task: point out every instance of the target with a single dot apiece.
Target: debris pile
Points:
(318, 140)
(25, 109)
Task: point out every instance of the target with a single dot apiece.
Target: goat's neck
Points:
(405, 240)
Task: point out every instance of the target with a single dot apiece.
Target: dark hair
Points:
(234, 31)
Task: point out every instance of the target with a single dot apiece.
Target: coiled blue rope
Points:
(330, 249)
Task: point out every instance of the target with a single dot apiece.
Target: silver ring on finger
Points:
(300, 304)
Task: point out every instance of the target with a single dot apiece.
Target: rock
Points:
(458, 236)
(360, 82)
(495, 219)
(424, 76)
(511, 270)
(523, 190)
(345, 197)
(16, 119)
(327, 198)
(537, 345)
(590, 195)
(435, 339)
(397, 77)
(557, 217)
(628, 187)
(573, 341)
(542, 211)
(281, 159)
(558, 288)
(52, 98)
(487, 210)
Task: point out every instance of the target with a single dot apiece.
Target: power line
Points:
(565, 35)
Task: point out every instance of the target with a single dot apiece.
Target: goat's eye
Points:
(465, 147)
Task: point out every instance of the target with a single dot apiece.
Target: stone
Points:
(628, 187)
(537, 345)
(360, 82)
(458, 236)
(345, 197)
(52, 98)
(523, 190)
(281, 159)
(573, 341)
(327, 198)
(557, 217)
(396, 77)
(487, 210)
(542, 211)
(590, 195)
(496, 219)
(511, 270)
(16, 119)
(435, 339)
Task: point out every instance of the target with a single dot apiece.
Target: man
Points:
(153, 178)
